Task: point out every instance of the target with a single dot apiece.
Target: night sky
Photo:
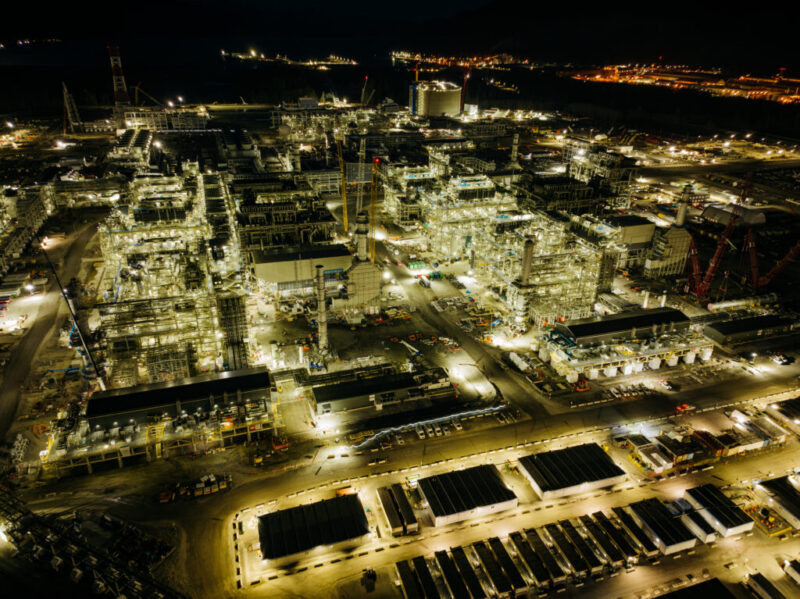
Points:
(709, 33)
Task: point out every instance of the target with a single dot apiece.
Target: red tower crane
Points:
(121, 97)
(724, 240)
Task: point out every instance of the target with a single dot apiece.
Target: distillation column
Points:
(322, 316)
(362, 233)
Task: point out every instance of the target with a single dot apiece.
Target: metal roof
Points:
(381, 384)
(669, 529)
(569, 467)
(624, 321)
(156, 395)
(464, 490)
(719, 506)
(745, 325)
(300, 528)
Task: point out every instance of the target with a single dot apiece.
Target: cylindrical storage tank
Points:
(638, 366)
(705, 355)
(544, 355)
(654, 363)
(672, 361)
(610, 371)
(593, 374)
(627, 368)
(689, 358)
(572, 377)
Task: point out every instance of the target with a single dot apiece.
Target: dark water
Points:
(30, 83)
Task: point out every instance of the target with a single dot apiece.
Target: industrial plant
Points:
(560, 353)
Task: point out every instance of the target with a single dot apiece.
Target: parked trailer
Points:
(650, 550)
(579, 566)
(424, 574)
(389, 508)
(588, 554)
(512, 572)
(410, 523)
(499, 580)
(612, 552)
(619, 537)
(467, 573)
(408, 581)
(557, 574)
(455, 583)
(535, 564)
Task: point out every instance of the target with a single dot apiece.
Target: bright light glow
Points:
(386, 275)
(157, 144)
(9, 124)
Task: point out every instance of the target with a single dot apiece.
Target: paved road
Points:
(20, 363)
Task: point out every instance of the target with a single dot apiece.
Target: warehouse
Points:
(634, 324)
(666, 531)
(755, 328)
(376, 392)
(144, 403)
(788, 412)
(471, 493)
(336, 521)
(698, 523)
(783, 497)
(719, 511)
(291, 270)
(578, 469)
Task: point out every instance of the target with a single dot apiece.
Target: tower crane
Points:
(724, 240)
(137, 89)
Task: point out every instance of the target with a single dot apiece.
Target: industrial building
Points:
(434, 98)
(665, 530)
(377, 392)
(463, 494)
(577, 469)
(782, 495)
(719, 511)
(622, 343)
(161, 419)
(337, 522)
(748, 330)
(787, 412)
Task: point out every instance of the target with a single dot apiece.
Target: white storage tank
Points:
(654, 363)
(690, 357)
(610, 371)
(672, 361)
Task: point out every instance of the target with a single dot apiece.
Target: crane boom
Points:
(695, 264)
(780, 266)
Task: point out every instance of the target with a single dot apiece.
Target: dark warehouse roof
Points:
(162, 394)
(305, 252)
(381, 384)
(785, 492)
(624, 321)
(745, 325)
(718, 505)
(464, 490)
(300, 528)
(571, 466)
(704, 590)
(668, 528)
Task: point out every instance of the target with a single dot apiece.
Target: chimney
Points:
(362, 233)
(322, 317)
(527, 260)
